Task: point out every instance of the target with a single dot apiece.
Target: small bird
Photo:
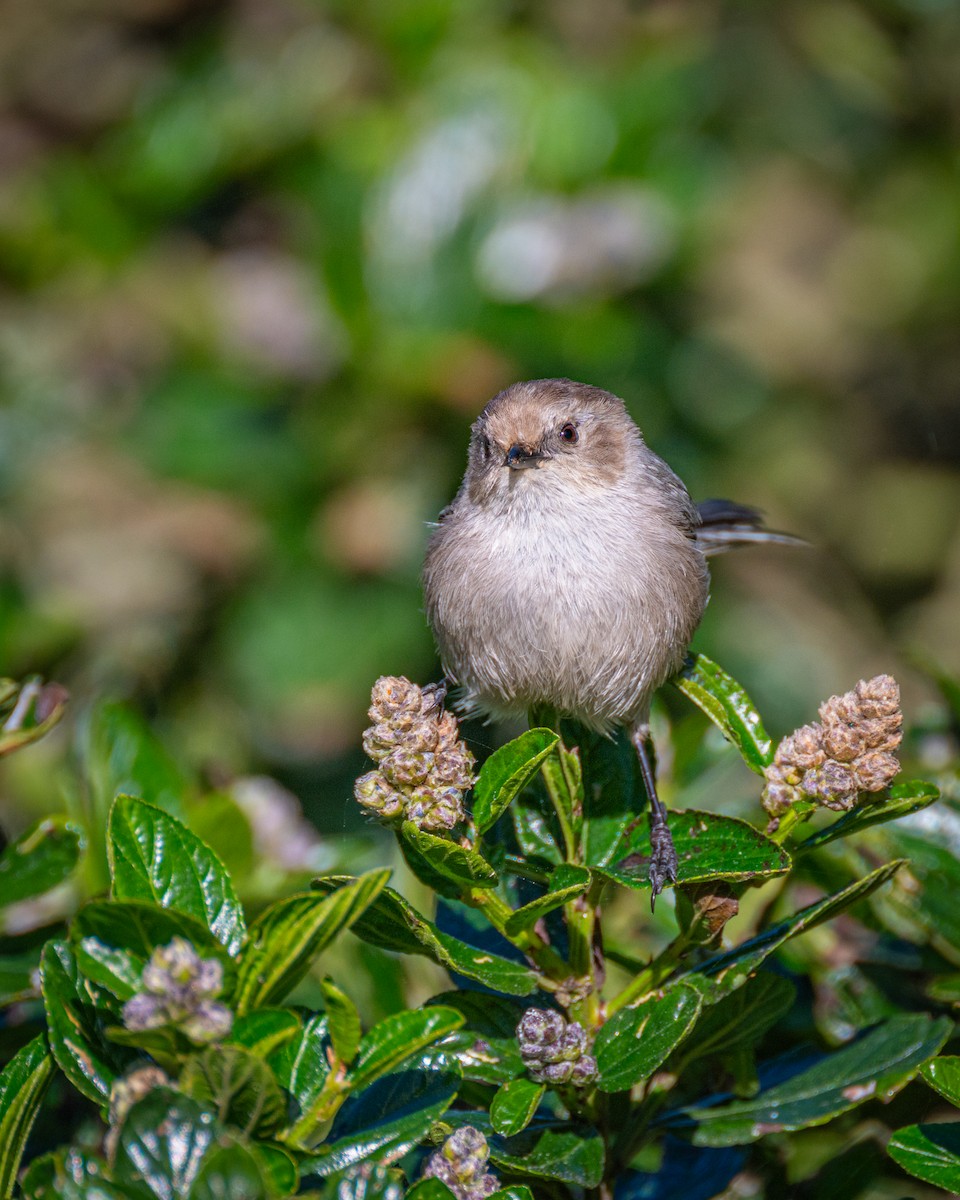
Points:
(570, 569)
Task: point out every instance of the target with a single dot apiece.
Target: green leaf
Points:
(903, 799)
(708, 847)
(943, 1075)
(722, 974)
(33, 713)
(302, 1067)
(23, 1082)
(17, 977)
(506, 772)
(512, 1193)
(265, 1030)
(568, 1153)
(39, 860)
(534, 831)
(238, 1085)
(429, 1189)
(154, 856)
(399, 1038)
(742, 1018)
(514, 1105)
(343, 1020)
(877, 1065)
(931, 1153)
(566, 883)
(486, 1045)
(280, 1168)
(393, 924)
(385, 1121)
(729, 707)
(285, 940)
(162, 1143)
(118, 971)
(451, 861)
(637, 1040)
(75, 1025)
(122, 756)
(232, 1170)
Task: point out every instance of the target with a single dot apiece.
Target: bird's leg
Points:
(663, 856)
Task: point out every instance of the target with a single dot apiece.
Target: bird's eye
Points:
(569, 434)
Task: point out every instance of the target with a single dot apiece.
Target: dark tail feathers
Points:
(725, 525)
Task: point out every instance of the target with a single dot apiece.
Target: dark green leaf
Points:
(533, 827)
(729, 707)
(162, 1143)
(17, 977)
(903, 798)
(154, 856)
(512, 1193)
(943, 1074)
(393, 924)
(23, 1082)
(399, 1038)
(566, 883)
(140, 927)
(285, 940)
(36, 862)
(265, 1030)
(302, 1066)
(118, 971)
(385, 1121)
(72, 1175)
(232, 1170)
(637, 1040)
(569, 1153)
(724, 973)
(741, 1018)
(279, 1167)
(75, 1025)
(343, 1021)
(451, 861)
(931, 1153)
(876, 1065)
(506, 772)
(708, 847)
(514, 1105)
(429, 1189)
(238, 1085)
(486, 1046)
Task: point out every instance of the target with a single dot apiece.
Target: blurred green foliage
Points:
(262, 261)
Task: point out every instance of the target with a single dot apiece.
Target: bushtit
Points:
(570, 570)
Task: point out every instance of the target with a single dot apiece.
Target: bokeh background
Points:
(262, 262)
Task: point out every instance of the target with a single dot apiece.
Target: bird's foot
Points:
(663, 859)
(435, 694)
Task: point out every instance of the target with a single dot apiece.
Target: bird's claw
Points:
(663, 860)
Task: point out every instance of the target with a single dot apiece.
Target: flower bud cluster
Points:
(178, 990)
(555, 1050)
(851, 749)
(423, 768)
(461, 1163)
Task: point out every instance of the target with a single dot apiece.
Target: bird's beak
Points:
(519, 457)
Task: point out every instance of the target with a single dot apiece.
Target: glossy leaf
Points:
(943, 1075)
(568, 1153)
(729, 707)
(876, 1065)
(279, 1167)
(139, 927)
(486, 1045)
(517, 1192)
(154, 856)
(118, 971)
(429, 1189)
(23, 1082)
(302, 1067)
(385, 1121)
(741, 1018)
(398, 1039)
(637, 1040)
(238, 1085)
(566, 883)
(685, 1172)
(506, 772)
(265, 1030)
(232, 1169)
(17, 977)
(534, 829)
(902, 799)
(708, 847)
(285, 940)
(39, 860)
(931, 1153)
(393, 924)
(716, 977)
(514, 1105)
(75, 1026)
(448, 859)
(162, 1143)
(343, 1020)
